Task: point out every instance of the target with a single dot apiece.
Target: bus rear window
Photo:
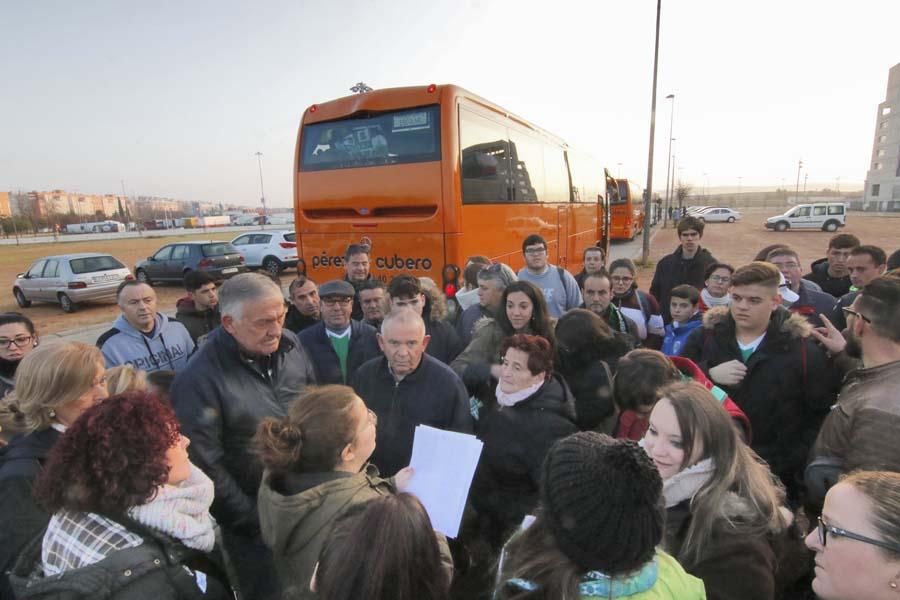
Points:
(622, 196)
(387, 138)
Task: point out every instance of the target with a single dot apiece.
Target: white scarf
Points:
(513, 398)
(685, 484)
(182, 511)
(710, 301)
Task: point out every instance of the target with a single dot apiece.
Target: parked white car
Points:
(718, 215)
(273, 251)
(69, 279)
(827, 216)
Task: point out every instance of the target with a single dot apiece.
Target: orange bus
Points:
(429, 175)
(627, 210)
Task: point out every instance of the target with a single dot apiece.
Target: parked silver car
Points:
(70, 279)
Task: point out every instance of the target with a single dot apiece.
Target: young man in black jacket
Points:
(305, 306)
(199, 310)
(687, 265)
(406, 388)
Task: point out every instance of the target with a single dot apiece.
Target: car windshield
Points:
(220, 249)
(373, 139)
(92, 264)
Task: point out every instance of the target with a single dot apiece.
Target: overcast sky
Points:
(175, 98)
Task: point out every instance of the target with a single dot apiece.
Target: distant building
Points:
(883, 178)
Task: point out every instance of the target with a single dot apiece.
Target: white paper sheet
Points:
(443, 463)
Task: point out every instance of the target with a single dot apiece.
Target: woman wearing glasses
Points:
(17, 338)
(635, 304)
(718, 282)
(725, 520)
(857, 541)
(54, 385)
(317, 466)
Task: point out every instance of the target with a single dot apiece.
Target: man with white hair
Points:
(248, 369)
(405, 388)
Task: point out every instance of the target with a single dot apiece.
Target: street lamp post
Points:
(797, 192)
(262, 191)
(645, 255)
(669, 161)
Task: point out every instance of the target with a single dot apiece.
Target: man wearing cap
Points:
(338, 345)
(405, 291)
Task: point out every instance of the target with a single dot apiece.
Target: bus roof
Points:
(406, 97)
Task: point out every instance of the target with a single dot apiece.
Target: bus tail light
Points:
(450, 275)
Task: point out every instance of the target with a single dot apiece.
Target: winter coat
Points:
(297, 512)
(465, 326)
(516, 440)
(644, 310)
(7, 376)
(431, 395)
(812, 303)
(363, 347)
(296, 321)
(220, 401)
(835, 286)
(21, 519)
(161, 568)
(786, 392)
(168, 347)
(197, 322)
(591, 388)
(633, 426)
(673, 270)
(838, 318)
(860, 431)
(357, 312)
(677, 336)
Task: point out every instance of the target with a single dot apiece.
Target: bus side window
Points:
(485, 160)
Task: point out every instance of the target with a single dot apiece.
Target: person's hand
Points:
(401, 479)
(829, 336)
(728, 373)
(495, 371)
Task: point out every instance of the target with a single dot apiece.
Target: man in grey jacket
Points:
(248, 369)
(141, 336)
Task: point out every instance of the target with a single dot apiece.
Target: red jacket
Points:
(633, 426)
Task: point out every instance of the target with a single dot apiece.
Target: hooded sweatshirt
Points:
(168, 346)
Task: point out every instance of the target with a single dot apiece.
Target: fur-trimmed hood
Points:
(784, 321)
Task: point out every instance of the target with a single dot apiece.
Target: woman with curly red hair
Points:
(130, 512)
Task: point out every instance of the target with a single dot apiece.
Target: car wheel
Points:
(272, 265)
(21, 300)
(141, 275)
(731, 219)
(830, 226)
(781, 226)
(66, 303)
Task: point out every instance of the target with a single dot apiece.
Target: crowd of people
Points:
(725, 434)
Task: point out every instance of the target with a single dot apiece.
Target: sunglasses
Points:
(824, 529)
(850, 311)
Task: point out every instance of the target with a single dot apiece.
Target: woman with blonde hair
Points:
(857, 541)
(725, 520)
(55, 383)
(125, 378)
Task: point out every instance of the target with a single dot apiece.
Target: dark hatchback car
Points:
(171, 262)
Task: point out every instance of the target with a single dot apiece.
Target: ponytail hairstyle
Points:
(310, 439)
(739, 475)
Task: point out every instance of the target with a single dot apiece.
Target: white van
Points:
(827, 216)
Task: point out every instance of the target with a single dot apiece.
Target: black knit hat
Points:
(602, 501)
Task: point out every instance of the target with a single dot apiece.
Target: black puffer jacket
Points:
(21, 519)
(673, 270)
(161, 568)
(516, 440)
(220, 399)
(363, 347)
(788, 388)
(836, 286)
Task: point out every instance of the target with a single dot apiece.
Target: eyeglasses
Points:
(720, 278)
(824, 529)
(332, 301)
(849, 311)
(540, 250)
(621, 279)
(20, 341)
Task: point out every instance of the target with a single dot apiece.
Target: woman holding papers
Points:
(534, 409)
(316, 467)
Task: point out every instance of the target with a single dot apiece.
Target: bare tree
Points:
(682, 191)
